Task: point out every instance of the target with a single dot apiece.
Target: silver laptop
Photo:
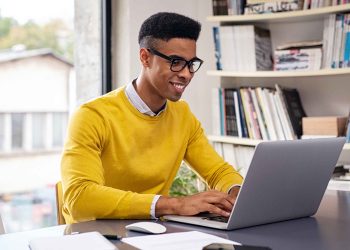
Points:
(285, 180)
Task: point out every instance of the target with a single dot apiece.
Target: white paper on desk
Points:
(186, 240)
(86, 241)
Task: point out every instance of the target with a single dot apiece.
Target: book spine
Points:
(238, 114)
(216, 36)
(245, 133)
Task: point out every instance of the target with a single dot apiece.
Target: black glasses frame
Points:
(173, 61)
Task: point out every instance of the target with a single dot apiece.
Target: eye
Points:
(177, 62)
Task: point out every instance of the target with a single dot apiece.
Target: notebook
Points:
(285, 180)
(86, 241)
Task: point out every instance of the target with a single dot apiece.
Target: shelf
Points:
(299, 15)
(245, 141)
(234, 140)
(277, 74)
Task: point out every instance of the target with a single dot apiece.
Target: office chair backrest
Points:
(59, 204)
(2, 229)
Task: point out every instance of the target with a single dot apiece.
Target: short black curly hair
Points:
(167, 25)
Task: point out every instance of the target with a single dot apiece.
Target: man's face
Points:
(164, 83)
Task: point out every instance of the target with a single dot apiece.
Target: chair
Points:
(2, 229)
(59, 203)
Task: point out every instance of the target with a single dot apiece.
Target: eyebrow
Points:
(179, 57)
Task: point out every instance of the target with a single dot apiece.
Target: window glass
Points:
(36, 81)
(59, 121)
(17, 130)
(38, 130)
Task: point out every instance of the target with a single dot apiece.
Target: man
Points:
(125, 148)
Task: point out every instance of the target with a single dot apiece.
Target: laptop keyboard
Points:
(216, 218)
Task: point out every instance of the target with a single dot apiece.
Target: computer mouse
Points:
(147, 227)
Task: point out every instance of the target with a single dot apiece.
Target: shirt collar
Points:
(138, 103)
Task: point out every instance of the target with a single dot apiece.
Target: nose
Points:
(185, 73)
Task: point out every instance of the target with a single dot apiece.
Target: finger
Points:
(223, 199)
(216, 210)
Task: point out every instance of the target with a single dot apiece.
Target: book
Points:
(287, 121)
(245, 133)
(262, 96)
(230, 113)
(328, 38)
(216, 36)
(220, 7)
(295, 109)
(300, 44)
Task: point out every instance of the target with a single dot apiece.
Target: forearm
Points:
(92, 201)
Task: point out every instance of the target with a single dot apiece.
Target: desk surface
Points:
(328, 229)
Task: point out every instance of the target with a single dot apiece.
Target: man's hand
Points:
(234, 192)
(210, 201)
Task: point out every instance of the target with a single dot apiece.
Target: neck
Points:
(153, 101)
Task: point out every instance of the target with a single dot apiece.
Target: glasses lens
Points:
(177, 64)
(194, 66)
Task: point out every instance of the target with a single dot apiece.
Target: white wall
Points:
(87, 49)
(24, 88)
(128, 16)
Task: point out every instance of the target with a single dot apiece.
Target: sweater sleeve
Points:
(202, 157)
(85, 195)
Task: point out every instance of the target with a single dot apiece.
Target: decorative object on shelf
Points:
(324, 126)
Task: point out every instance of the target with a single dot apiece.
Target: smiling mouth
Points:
(178, 86)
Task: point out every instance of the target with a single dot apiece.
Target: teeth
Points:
(178, 86)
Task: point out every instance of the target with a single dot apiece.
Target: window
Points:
(17, 128)
(59, 123)
(38, 130)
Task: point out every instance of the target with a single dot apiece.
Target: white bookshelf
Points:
(280, 74)
(323, 92)
(234, 140)
(244, 141)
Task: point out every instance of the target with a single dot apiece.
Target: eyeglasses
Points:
(178, 63)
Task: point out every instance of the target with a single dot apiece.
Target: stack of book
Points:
(298, 56)
(258, 113)
(336, 41)
(271, 6)
(242, 48)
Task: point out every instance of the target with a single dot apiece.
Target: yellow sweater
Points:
(116, 159)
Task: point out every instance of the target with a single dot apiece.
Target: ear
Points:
(145, 57)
